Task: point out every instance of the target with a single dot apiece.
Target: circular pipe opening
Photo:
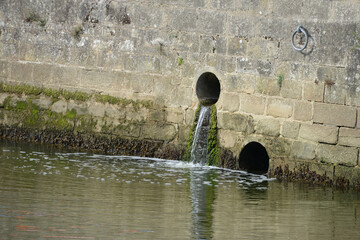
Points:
(208, 88)
(254, 158)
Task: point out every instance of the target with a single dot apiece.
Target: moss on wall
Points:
(213, 155)
(72, 95)
(21, 110)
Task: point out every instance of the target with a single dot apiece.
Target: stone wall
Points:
(302, 106)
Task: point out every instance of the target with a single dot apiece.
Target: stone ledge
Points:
(337, 154)
(99, 143)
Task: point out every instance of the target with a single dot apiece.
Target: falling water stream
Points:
(199, 145)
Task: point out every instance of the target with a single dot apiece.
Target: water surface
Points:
(46, 193)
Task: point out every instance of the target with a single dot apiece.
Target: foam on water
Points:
(129, 169)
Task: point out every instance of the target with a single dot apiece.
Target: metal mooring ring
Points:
(300, 29)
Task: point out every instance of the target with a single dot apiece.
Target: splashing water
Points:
(199, 145)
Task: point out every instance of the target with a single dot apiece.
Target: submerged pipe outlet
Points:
(208, 88)
(254, 158)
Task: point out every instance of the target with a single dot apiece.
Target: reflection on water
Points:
(202, 187)
(50, 194)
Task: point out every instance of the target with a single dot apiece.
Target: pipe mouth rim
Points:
(254, 158)
(208, 88)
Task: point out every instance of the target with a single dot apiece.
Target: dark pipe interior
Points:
(254, 158)
(208, 88)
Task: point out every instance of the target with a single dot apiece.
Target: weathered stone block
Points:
(229, 139)
(314, 91)
(337, 154)
(240, 83)
(42, 74)
(157, 115)
(349, 137)
(142, 83)
(290, 129)
(182, 19)
(42, 102)
(22, 72)
(101, 80)
(346, 11)
(319, 133)
(350, 173)
(335, 94)
(229, 102)
(267, 86)
(162, 87)
(224, 4)
(59, 107)
(207, 44)
(181, 96)
(226, 64)
(304, 150)
(149, 64)
(303, 111)
(165, 132)
(268, 126)
(301, 71)
(146, 16)
(189, 116)
(279, 108)
(334, 114)
(322, 169)
(251, 66)
(66, 76)
(237, 46)
(184, 132)
(4, 69)
(252, 104)
(237, 122)
(278, 147)
(112, 111)
(129, 62)
(175, 116)
(128, 130)
(121, 80)
(3, 96)
(261, 47)
(241, 26)
(331, 75)
(182, 41)
(221, 44)
(291, 89)
(96, 109)
(212, 22)
(137, 115)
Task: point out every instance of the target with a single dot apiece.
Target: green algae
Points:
(213, 154)
(72, 95)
